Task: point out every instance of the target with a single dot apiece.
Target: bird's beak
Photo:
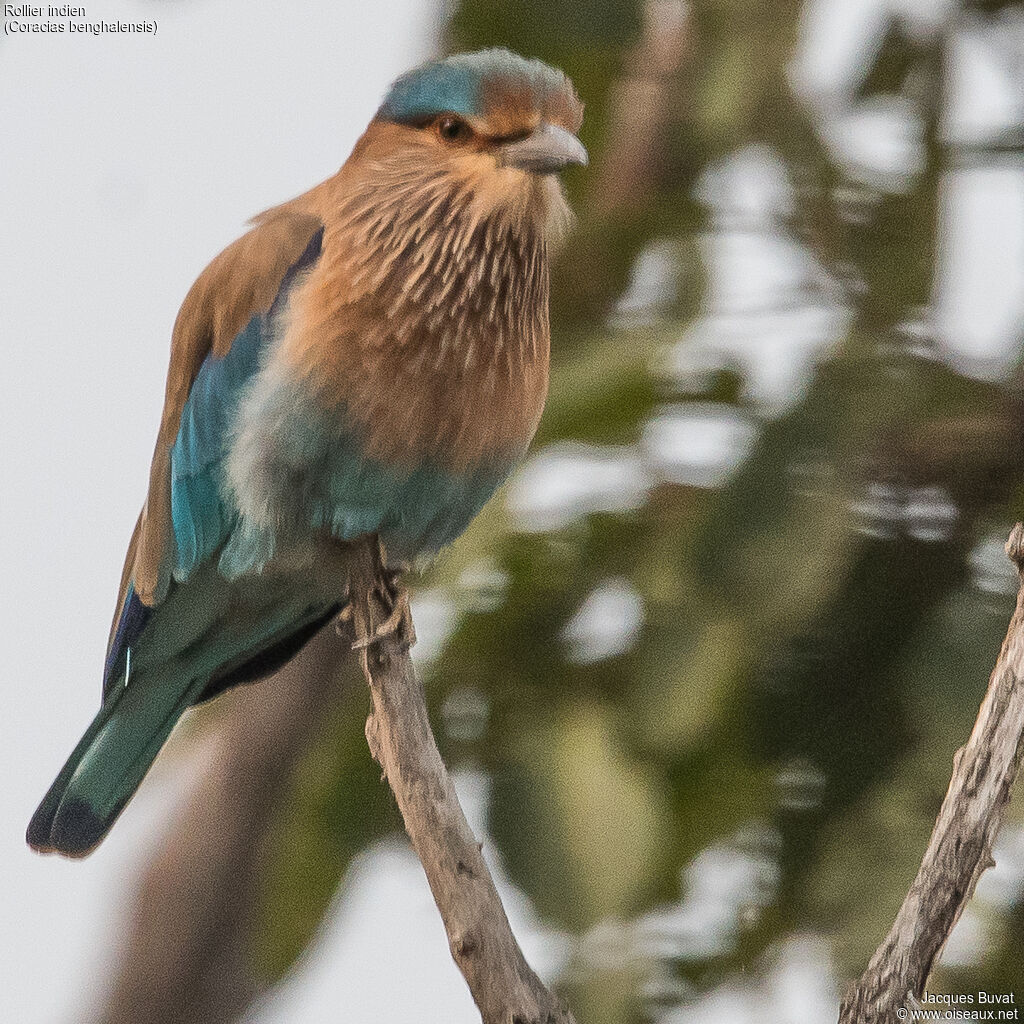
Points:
(546, 150)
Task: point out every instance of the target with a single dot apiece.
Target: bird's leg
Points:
(382, 588)
(396, 597)
(375, 585)
(399, 622)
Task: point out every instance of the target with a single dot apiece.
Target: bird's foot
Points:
(398, 623)
(376, 591)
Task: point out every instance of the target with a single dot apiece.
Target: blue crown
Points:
(455, 84)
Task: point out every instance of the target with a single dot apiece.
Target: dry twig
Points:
(504, 987)
(960, 848)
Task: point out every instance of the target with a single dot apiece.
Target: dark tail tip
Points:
(74, 832)
(77, 829)
(38, 833)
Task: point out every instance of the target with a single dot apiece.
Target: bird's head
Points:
(491, 110)
(487, 130)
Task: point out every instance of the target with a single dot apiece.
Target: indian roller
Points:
(369, 361)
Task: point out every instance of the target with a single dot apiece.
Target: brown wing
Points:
(244, 279)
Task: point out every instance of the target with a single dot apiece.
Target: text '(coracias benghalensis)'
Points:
(370, 360)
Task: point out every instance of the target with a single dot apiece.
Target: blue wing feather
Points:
(201, 520)
(200, 516)
(200, 513)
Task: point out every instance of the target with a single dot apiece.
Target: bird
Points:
(367, 364)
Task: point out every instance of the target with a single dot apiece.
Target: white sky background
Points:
(126, 163)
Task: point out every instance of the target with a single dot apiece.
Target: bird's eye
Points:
(453, 129)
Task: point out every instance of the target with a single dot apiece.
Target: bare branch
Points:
(504, 987)
(640, 111)
(960, 848)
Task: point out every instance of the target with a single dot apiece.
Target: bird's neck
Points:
(456, 276)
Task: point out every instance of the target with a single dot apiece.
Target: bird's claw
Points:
(398, 624)
(386, 591)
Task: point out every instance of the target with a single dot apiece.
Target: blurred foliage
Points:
(336, 809)
(815, 632)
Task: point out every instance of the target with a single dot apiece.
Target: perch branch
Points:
(960, 848)
(504, 987)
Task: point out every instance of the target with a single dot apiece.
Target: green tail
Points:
(205, 637)
(107, 766)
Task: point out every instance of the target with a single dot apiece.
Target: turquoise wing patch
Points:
(202, 515)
